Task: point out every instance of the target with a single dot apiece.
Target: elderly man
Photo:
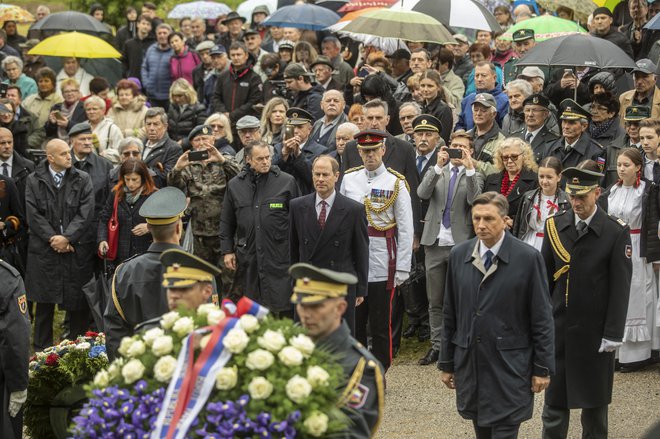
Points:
(641, 39)
(486, 134)
(325, 129)
(535, 77)
(408, 111)
(198, 31)
(342, 71)
(485, 79)
(59, 208)
(420, 61)
(160, 152)
(523, 41)
(322, 69)
(601, 27)
(536, 109)
(645, 93)
(204, 182)
(234, 34)
(13, 164)
(345, 133)
(204, 69)
(252, 39)
(462, 62)
(496, 289)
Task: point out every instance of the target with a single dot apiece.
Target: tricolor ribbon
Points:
(244, 306)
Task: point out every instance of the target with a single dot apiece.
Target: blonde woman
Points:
(221, 132)
(107, 135)
(514, 160)
(185, 112)
(273, 118)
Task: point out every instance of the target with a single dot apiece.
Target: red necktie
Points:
(322, 215)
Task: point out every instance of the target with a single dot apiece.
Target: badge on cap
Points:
(535, 100)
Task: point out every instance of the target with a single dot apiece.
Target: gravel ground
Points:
(419, 406)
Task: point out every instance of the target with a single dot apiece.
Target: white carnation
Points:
(236, 340)
(132, 371)
(298, 388)
(290, 356)
(151, 335)
(215, 316)
(259, 359)
(205, 308)
(136, 349)
(84, 345)
(125, 345)
(102, 379)
(162, 345)
(226, 378)
(249, 323)
(164, 368)
(168, 319)
(272, 340)
(260, 388)
(317, 376)
(303, 343)
(316, 424)
(183, 326)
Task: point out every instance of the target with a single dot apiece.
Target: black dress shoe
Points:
(430, 358)
(634, 366)
(424, 333)
(410, 331)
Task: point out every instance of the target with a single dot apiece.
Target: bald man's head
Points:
(6, 144)
(58, 154)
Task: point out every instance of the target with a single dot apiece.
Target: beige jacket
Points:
(130, 120)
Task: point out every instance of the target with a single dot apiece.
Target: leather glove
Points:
(16, 401)
(609, 345)
(401, 277)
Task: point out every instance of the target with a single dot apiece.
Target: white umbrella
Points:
(387, 45)
(468, 14)
(202, 9)
(245, 9)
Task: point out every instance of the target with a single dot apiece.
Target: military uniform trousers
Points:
(208, 248)
(376, 311)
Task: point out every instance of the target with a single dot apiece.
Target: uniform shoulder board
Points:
(400, 177)
(357, 168)
(362, 350)
(9, 268)
(129, 259)
(147, 324)
(617, 220)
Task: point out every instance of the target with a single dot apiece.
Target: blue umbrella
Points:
(304, 16)
(654, 23)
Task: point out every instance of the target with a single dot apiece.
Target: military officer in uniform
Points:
(523, 41)
(137, 292)
(320, 298)
(386, 196)
(536, 131)
(14, 350)
(205, 182)
(587, 256)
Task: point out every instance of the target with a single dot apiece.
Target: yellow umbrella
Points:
(15, 13)
(75, 44)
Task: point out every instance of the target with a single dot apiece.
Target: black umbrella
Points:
(70, 21)
(333, 5)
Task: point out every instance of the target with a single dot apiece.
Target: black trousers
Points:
(43, 325)
(376, 311)
(556, 420)
(496, 431)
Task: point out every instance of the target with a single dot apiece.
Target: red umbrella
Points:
(356, 5)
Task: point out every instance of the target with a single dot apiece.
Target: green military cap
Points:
(165, 206)
(571, 110)
(537, 99)
(183, 270)
(522, 35)
(581, 181)
(314, 285)
(426, 122)
(370, 139)
(298, 116)
(200, 130)
(637, 113)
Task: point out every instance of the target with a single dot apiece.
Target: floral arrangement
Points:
(58, 369)
(216, 373)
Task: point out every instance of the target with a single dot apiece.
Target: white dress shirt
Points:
(494, 249)
(329, 202)
(9, 162)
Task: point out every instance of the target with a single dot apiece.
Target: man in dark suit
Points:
(160, 152)
(535, 132)
(322, 69)
(329, 230)
(497, 337)
(13, 164)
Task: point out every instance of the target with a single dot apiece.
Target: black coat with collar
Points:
(540, 142)
(585, 149)
(526, 209)
(300, 167)
(162, 159)
(590, 302)
(98, 169)
(20, 169)
(527, 181)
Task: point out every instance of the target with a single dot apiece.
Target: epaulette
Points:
(357, 168)
(362, 350)
(556, 214)
(400, 177)
(147, 323)
(132, 257)
(9, 268)
(617, 220)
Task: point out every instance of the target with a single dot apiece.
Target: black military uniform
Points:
(540, 140)
(589, 270)
(363, 396)
(14, 349)
(634, 114)
(12, 214)
(511, 69)
(137, 292)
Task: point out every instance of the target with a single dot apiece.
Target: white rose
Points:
(125, 345)
(316, 424)
(152, 335)
(303, 343)
(168, 320)
(260, 388)
(298, 388)
(102, 379)
(115, 369)
(83, 345)
(226, 378)
(183, 326)
(290, 356)
(317, 376)
(249, 323)
(136, 349)
(214, 317)
(164, 368)
(132, 371)
(236, 340)
(205, 308)
(272, 340)
(162, 345)
(259, 359)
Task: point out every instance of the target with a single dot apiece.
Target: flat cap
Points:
(581, 181)
(370, 139)
(571, 110)
(537, 99)
(427, 122)
(80, 128)
(460, 38)
(183, 270)
(295, 70)
(247, 122)
(249, 32)
(645, 66)
(218, 50)
(205, 45)
(322, 60)
(637, 112)
(485, 99)
(522, 35)
(602, 10)
(163, 207)
(314, 285)
(531, 72)
(200, 130)
(298, 116)
(399, 54)
(233, 15)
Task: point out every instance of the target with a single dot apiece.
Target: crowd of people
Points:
(288, 145)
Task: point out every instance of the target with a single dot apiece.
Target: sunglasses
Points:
(512, 157)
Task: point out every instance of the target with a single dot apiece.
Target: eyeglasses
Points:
(75, 90)
(512, 158)
(131, 153)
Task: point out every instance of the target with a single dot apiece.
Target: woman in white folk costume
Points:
(540, 203)
(633, 199)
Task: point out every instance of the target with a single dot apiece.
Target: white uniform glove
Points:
(401, 277)
(16, 401)
(608, 345)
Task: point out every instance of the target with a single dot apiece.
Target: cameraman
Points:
(273, 68)
(305, 94)
(204, 181)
